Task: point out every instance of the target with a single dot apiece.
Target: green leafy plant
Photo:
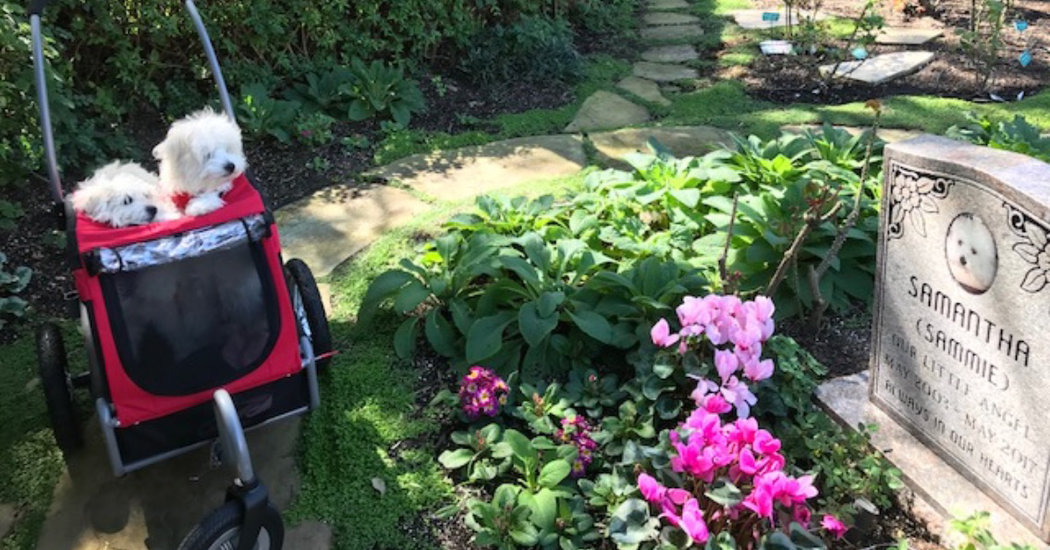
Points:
(1017, 135)
(260, 114)
(314, 129)
(983, 41)
(475, 454)
(9, 214)
(978, 537)
(532, 49)
(381, 89)
(11, 283)
(324, 92)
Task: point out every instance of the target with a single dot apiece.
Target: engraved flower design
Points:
(1036, 251)
(911, 199)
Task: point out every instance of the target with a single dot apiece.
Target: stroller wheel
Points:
(221, 530)
(54, 377)
(308, 308)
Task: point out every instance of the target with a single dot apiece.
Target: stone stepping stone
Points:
(671, 54)
(666, 18)
(881, 68)
(605, 110)
(907, 36)
(752, 19)
(683, 141)
(776, 47)
(663, 72)
(668, 33)
(645, 89)
(667, 4)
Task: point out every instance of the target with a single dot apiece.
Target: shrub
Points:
(533, 49)
(11, 283)
(1017, 135)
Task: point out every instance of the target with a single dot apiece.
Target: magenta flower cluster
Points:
(576, 431)
(482, 392)
(705, 450)
(736, 330)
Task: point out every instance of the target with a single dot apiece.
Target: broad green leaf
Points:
(410, 296)
(593, 325)
(688, 197)
(405, 338)
(440, 334)
(520, 444)
(724, 493)
(454, 459)
(381, 288)
(544, 506)
(554, 472)
(485, 337)
(534, 328)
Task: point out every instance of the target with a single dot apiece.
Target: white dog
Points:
(123, 194)
(971, 253)
(199, 158)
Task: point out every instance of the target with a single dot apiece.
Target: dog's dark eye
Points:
(128, 200)
(207, 156)
(973, 251)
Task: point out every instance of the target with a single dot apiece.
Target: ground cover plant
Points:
(554, 312)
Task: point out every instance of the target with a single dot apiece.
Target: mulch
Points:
(793, 79)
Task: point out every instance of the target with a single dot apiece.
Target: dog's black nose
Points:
(152, 211)
(962, 260)
(229, 167)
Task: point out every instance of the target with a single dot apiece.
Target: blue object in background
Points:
(1026, 58)
(1021, 25)
(860, 53)
(771, 16)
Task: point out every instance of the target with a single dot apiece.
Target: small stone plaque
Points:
(776, 47)
(960, 349)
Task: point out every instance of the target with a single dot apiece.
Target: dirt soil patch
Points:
(790, 79)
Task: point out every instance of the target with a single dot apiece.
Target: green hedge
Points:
(115, 58)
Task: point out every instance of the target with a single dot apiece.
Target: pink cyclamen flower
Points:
(726, 364)
(801, 515)
(661, 334)
(757, 371)
(832, 525)
(692, 522)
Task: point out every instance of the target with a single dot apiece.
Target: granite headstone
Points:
(960, 349)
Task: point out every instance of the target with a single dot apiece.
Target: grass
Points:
(368, 406)
(30, 462)
(728, 106)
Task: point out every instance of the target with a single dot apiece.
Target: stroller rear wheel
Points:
(221, 530)
(308, 307)
(58, 393)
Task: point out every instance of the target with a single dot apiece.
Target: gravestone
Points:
(962, 306)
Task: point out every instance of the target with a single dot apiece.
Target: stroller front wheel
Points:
(58, 394)
(221, 530)
(308, 308)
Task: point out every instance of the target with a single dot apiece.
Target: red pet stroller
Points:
(194, 329)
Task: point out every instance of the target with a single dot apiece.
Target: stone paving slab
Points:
(671, 54)
(308, 535)
(668, 18)
(907, 36)
(605, 111)
(752, 19)
(881, 68)
(645, 89)
(663, 72)
(667, 5)
(943, 490)
(157, 506)
(335, 223)
(668, 33)
(470, 171)
(683, 141)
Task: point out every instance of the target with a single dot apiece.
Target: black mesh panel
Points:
(195, 324)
